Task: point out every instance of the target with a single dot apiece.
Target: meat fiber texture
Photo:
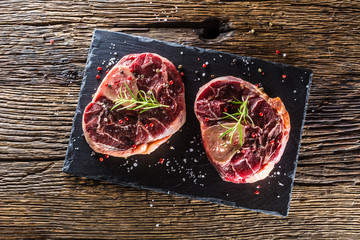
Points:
(124, 132)
(263, 143)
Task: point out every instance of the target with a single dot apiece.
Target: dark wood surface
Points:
(39, 87)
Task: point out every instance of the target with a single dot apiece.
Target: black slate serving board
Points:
(185, 170)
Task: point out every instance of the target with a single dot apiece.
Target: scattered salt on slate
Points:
(185, 169)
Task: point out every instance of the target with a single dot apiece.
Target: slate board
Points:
(186, 170)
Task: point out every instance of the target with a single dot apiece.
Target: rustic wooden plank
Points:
(310, 34)
(36, 121)
(38, 201)
(40, 82)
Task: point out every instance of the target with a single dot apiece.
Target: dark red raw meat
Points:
(263, 143)
(122, 133)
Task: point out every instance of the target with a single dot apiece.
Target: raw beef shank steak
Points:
(244, 131)
(129, 128)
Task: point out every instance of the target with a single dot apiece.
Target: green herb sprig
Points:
(243, 112)
(144, 101)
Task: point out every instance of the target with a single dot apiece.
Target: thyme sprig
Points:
(144, 101)
(243, 112)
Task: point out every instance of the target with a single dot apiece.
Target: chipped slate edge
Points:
(301, 133)
(68, 158)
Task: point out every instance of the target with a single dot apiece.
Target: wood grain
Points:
(40, 82)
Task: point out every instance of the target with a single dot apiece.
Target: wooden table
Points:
(40, 83)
